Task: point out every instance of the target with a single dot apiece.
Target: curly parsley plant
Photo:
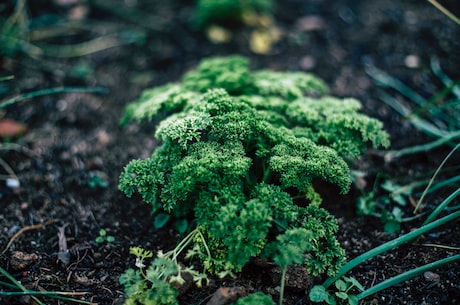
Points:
(242, 151)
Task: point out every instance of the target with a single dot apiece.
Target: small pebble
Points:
(12, 183)
(412, 61)
(431, 276)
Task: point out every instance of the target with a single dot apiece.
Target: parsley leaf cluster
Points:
(241, 151)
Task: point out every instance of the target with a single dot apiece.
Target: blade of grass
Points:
(18, 284)
(436, 68)
(390, 245)
(443, 183)
(418, 122)
(434, 176)
(62, 295)
(5, 78)
(436, 102)
(392, 154)
(436, 113)
(50, 294)
(24, 96)
(79, 49)
(442, 206)
(407, 276)
(387, 81)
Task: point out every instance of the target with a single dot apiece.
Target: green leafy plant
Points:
(159, 282)
(387, 201)
(97, 181)
(245, 152)
(342, 295)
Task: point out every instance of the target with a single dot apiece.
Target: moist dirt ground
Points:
(68, 160)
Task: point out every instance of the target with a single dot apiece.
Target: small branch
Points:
(28, 228)
(439, 246)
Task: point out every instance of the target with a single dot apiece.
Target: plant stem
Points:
(390, 245)
(432, 179)
(422, 148)
(283, 282)
(18, 284)
(442, 206)
(5, 78)
(24, 96)
(445, 11)
(407, 276)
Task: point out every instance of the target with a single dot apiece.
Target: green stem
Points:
(18, 284)
(448, 182)
(390, 245)
(419, 123)
(407, 276)
(442, 206)
(5, 78)
(434, 176)
(422, 148)
(436, 68)
(283, 282)
(24, 96)
(49, 294)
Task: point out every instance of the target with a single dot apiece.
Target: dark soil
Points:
(74, 137)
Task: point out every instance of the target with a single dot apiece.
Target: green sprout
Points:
(103, 237)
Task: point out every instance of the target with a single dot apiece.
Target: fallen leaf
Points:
(20, 260)
(226, 295)
(11, 129)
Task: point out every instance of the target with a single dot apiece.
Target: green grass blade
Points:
(18, 284)
(447, 182)
(390, 245)
(434, 176)
(385, 80)
(442, 206)
(407, 276)
(418, 122)
(390, 155)
(24, 96)
(436, 68)
(5, 78)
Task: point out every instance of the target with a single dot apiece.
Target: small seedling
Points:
(343, 295)
(103, 237)
(97, 181)
(389, 204)
(157, 281)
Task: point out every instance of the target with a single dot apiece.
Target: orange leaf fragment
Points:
(11, 129)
